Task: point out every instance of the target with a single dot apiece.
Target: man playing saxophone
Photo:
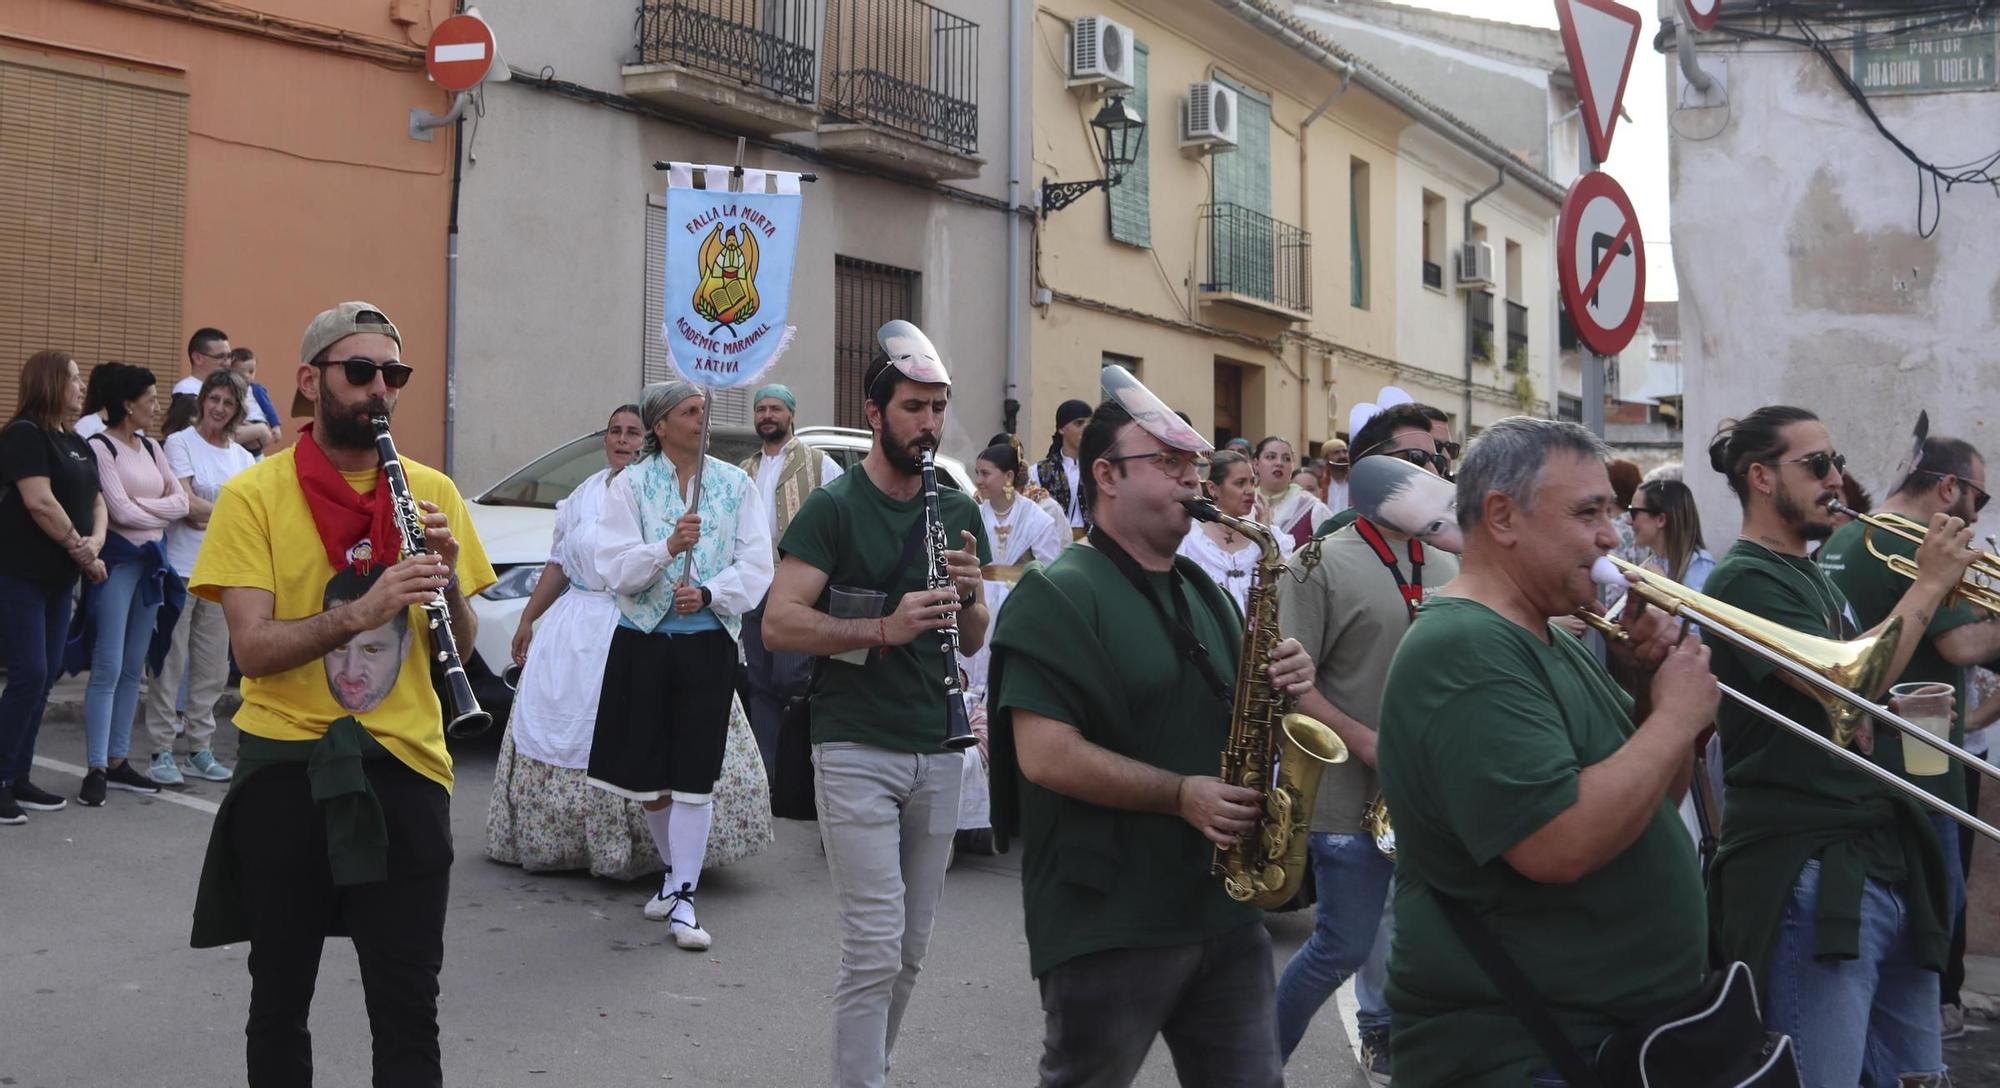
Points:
(1111, 694)
(1522, 791)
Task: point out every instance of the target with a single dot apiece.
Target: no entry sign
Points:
(461, 52)
(1601, 263)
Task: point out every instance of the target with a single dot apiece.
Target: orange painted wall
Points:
(304, 187)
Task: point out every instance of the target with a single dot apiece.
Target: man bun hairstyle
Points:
(1757, 438)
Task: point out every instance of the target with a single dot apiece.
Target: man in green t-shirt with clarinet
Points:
(1829, 883)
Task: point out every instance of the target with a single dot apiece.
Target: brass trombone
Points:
(1834, 672)
(1976, 587)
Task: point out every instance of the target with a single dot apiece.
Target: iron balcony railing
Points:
(772, 44)
(904, 65)
(1252, 254)
(1434, 275)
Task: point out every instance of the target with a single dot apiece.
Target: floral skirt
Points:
(546, 818)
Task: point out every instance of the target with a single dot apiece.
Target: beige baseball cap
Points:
(330, 327)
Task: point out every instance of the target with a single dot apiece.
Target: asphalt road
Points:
(548, 979)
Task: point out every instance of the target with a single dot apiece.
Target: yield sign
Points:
(461, 52)
(1601, 263)
(1600, 37)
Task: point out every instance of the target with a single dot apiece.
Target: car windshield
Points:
(548, 479)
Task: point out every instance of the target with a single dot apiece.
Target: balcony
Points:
(751, 65)
(1257, 263)
(901, 88)
(1517, 337)
(1479, 327)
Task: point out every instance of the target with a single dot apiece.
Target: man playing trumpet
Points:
(1828, 882)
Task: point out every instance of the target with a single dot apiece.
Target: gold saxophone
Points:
(1279, 754)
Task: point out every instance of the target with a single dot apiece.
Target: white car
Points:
(516, 522)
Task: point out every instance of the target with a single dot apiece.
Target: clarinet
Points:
(467, 719)
(957, 729)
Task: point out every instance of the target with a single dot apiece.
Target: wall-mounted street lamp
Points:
(1119, 127)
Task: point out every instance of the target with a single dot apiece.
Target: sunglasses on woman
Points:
(361, 371)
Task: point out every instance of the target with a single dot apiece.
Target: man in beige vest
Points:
(786, 470)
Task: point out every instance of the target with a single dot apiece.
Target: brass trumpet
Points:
(1835, 673)
(1974, 588)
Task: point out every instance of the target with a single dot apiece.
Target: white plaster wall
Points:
(1803, 279)
(1431, 326)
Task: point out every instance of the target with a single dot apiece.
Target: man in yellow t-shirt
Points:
(338, 820)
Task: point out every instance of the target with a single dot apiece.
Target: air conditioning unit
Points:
(1475, 265)
(1100, 54)
(1208, 117)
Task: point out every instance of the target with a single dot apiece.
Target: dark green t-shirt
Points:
(1792, 591)
(1485, 730)
(1338, 522)
(853, 532)
(1874, 590)
(1095, 878)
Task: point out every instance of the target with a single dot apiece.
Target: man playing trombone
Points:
(1949, 478)
(1829, 882)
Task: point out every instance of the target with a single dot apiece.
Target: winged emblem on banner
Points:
(727, 293)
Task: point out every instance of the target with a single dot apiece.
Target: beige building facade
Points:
(1265, 287)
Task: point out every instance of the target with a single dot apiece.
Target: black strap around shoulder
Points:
(1526, 1005)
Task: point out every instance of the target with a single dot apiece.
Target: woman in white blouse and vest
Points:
(684, 579)
(1228, 556)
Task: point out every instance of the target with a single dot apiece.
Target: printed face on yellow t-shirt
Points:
(361, 672)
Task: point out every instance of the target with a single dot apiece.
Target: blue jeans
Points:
(1948, 832)
(117, 661)
(33, 624)
(1869, 1020)
(1353, 881)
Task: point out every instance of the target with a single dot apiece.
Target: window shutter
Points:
(1130, 200)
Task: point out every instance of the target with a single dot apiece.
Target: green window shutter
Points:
(1243, 251)
(1131, 200)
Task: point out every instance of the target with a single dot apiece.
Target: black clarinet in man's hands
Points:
(467, 719)
(957, 729)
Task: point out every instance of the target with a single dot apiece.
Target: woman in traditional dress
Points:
(1283, 505)
(1228, 556)
(1019, 529)
(542, 815)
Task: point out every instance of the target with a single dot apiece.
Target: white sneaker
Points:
(682, 924)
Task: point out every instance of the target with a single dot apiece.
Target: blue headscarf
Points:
(777, 391)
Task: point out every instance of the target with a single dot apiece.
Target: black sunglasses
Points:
(361, 371)
(1643, 510)
(1420, 458)
(1978, 504)
(1820, 464)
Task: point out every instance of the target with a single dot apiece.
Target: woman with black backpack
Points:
(141, 498)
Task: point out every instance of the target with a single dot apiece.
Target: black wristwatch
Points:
(706, 596)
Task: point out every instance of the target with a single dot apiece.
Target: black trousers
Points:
(397, 924)
(1215, 1002)
(1954, 966)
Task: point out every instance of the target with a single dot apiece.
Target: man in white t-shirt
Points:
(786, 470)
(207, 349)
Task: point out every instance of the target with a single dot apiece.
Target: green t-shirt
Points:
(1874, 590)
(1338, 522)
(1792, 591)
(854, 533)
(1485, 730)
(1094, 878)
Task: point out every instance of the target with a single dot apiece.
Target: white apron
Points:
(555, 708)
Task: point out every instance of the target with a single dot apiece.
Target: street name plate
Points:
(1928, 57)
